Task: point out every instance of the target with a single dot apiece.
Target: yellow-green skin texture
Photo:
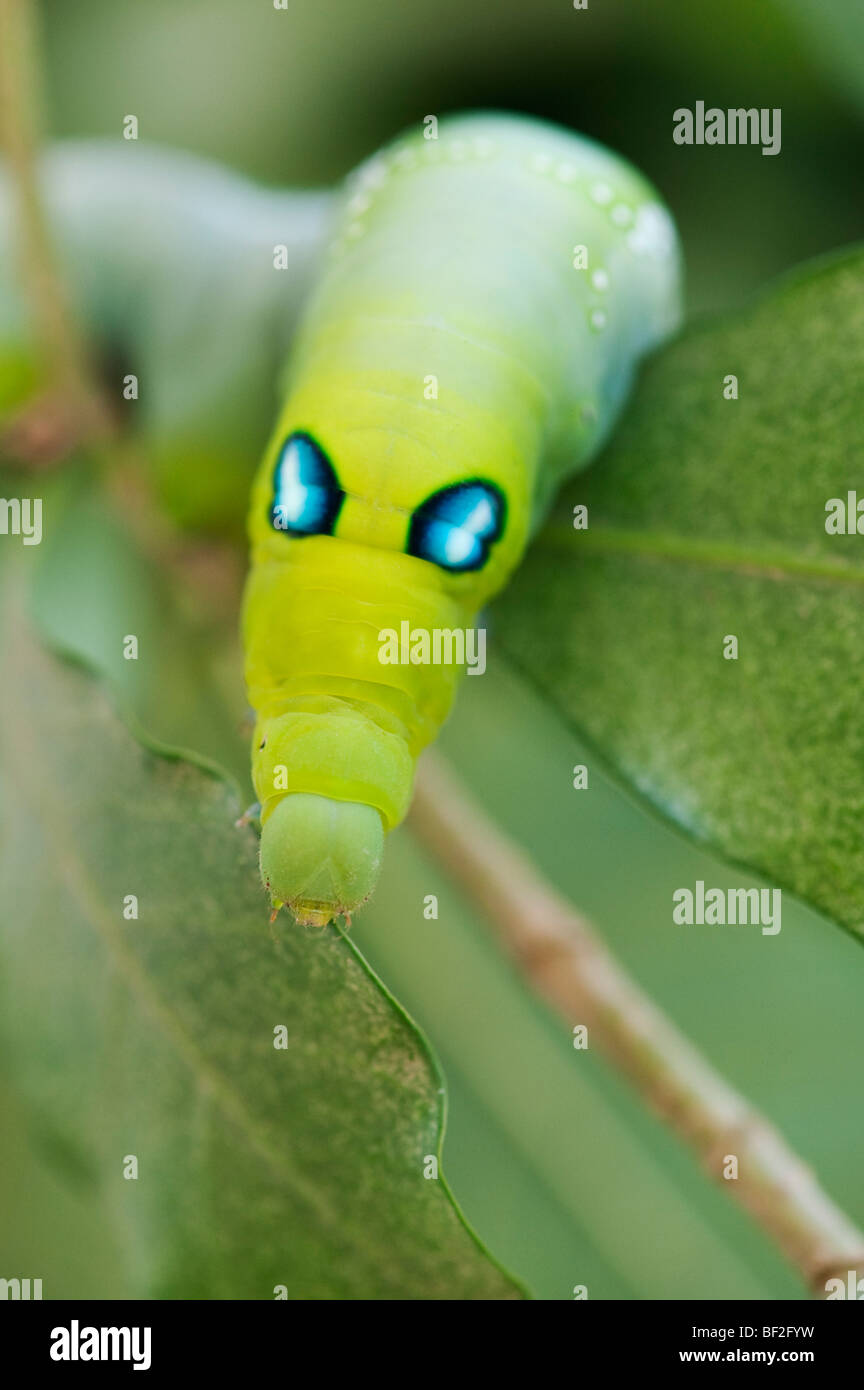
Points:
(452, 259)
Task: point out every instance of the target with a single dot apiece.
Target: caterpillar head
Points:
(321, 857)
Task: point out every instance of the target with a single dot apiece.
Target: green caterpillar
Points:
(484, 299)
(455, 261)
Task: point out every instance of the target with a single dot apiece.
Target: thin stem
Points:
(65, 362)
(565, 962)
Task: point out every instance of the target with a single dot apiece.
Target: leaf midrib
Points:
(772, 563)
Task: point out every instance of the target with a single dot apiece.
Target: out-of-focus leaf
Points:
(707, 520)
(258, 1166)
(833, 33)
(95, 588)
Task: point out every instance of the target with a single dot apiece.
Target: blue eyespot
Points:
(306, 495)
(454, 528)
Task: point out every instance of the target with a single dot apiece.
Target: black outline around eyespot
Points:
(335, 502)
(420, 514)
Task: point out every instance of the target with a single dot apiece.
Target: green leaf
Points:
(707, 519)
(833, 32)
(257, 1166)
(95, 585)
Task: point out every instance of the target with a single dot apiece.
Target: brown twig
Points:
(566, 963)
(71, 395)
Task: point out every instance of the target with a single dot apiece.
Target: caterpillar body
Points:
(522, 271)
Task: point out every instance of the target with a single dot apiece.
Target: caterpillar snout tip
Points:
(320, 858)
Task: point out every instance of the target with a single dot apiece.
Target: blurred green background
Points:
(299, 96)
(565, 1176)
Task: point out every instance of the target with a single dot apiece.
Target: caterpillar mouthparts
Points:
(319, 857)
